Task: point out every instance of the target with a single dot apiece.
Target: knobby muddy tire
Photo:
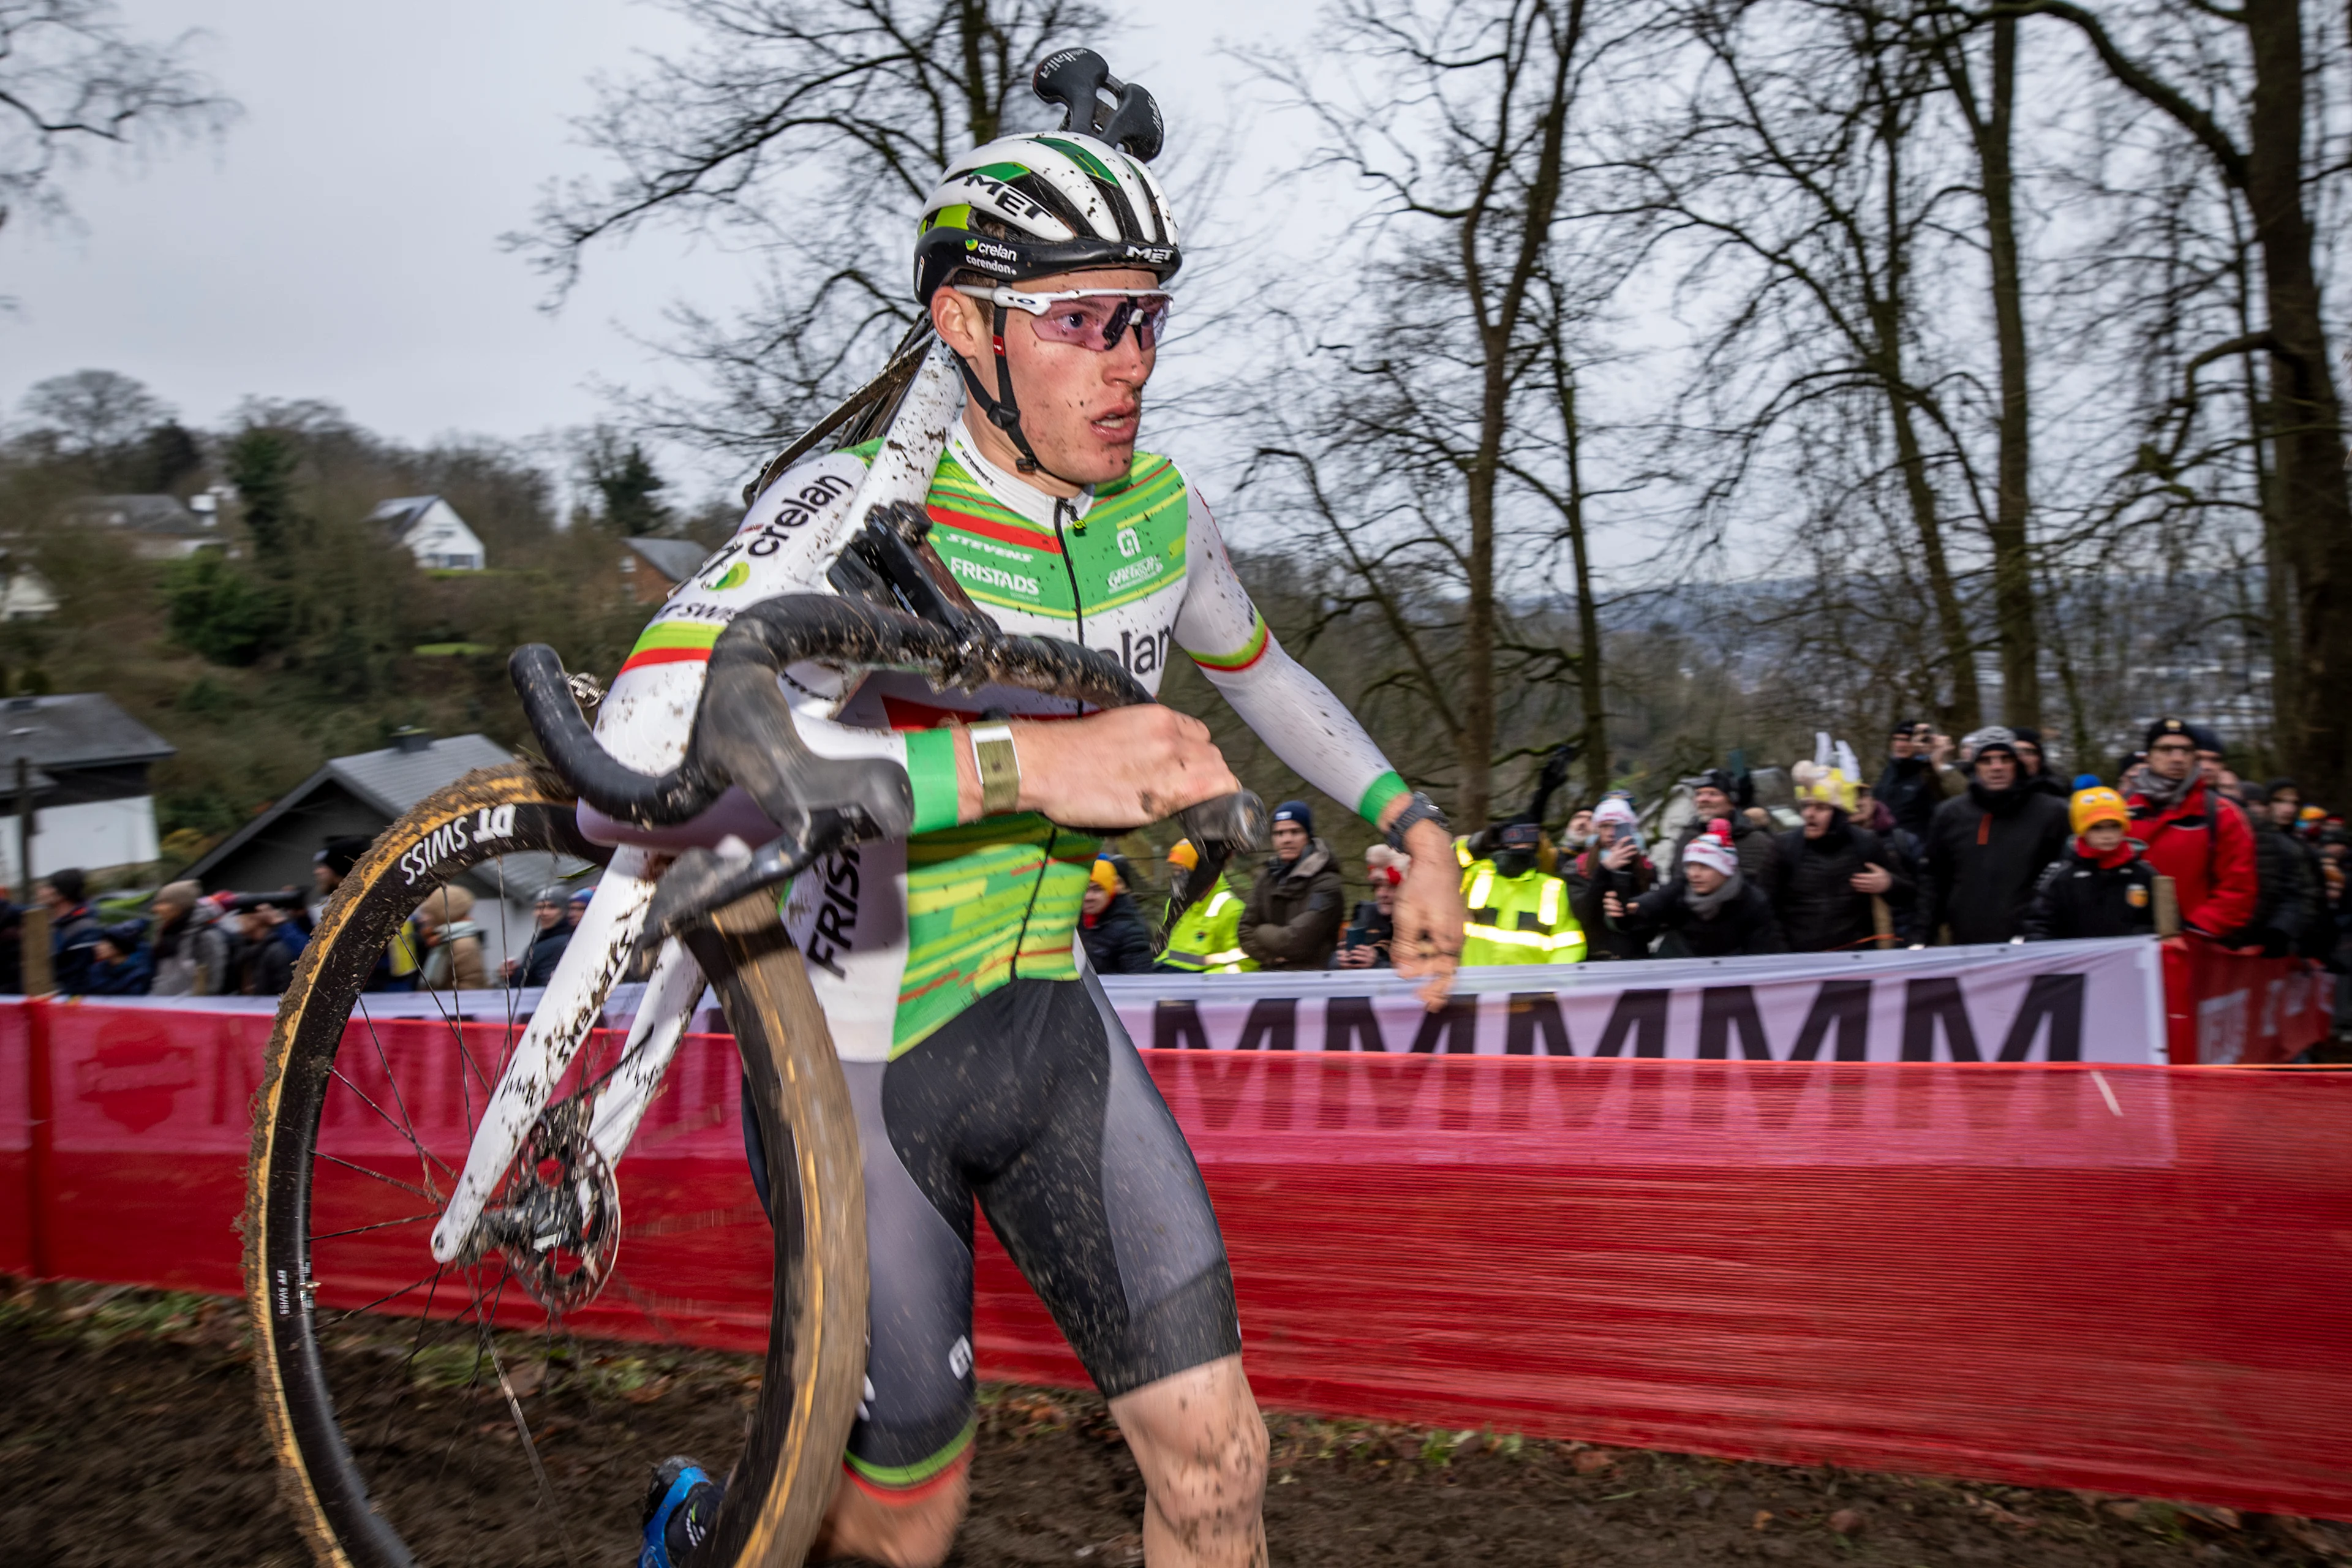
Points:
(779, 1486)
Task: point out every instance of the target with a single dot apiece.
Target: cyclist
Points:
(984, 1060)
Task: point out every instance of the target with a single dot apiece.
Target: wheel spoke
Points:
(379, 1175)
(380, 1224)
(388, 1121)
(395, 1296)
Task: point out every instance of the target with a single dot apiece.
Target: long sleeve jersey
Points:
(901, 937)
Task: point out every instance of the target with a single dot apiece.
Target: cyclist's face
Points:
(1080, 407)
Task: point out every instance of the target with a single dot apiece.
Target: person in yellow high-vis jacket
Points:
(1519, 914)
(1206, 938)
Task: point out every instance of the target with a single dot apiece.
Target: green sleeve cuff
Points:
(1385, 788)
(931, 770)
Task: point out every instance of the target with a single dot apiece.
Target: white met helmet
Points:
(1059, 200)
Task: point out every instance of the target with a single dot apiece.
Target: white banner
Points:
(2038, 1001)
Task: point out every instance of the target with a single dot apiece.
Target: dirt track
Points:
(128, 1435)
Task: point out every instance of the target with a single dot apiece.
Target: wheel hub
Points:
(559, 1223)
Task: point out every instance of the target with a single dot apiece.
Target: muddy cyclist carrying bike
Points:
(932, 907)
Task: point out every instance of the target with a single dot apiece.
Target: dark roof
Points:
(389, 781)
(395, 779)
(168, 516)
(675, 559)
(79, 730)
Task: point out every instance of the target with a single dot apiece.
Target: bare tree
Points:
(1432, 460)
(1799, 172)
(72, 81)
(91, 411)
(2264, 159)
(809, 131)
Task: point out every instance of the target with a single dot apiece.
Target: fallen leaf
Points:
(1763, 1518)
(651, 1391)
(525, 1377)
(1593, 1461)
(2122, 1509)
(1845, 1522)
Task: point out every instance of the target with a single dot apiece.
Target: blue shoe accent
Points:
(680, 1508)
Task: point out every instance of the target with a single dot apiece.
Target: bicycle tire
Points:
(779, 1486)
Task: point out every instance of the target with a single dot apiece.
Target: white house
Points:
(26, 595)
(431, 531)
(85, 764)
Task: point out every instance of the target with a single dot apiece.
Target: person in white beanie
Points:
(1614, 864)
(1709, 910)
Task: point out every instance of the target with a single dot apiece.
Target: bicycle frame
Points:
(652, 734)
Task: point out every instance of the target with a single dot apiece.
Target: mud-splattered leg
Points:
(1201, 1444)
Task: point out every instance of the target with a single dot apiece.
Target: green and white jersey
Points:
(901, 937)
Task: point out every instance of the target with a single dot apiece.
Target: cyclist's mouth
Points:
(1118, 425)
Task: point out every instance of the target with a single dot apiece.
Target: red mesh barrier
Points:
(2134, 1280)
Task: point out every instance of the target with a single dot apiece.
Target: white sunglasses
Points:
(1091, 318)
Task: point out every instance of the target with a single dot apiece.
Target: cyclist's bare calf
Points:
(1198, 1439)
(1201, 1444)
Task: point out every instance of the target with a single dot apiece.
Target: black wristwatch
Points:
(1419, 808)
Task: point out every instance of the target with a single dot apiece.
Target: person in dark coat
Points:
(552, 936)
(73, 930)
(2288, 898)
(12, 946)
(1293, 916)
(1987, 849)
(1831, 870)
(1614, 865)
(1117, 942)
(2281, 802)
(119, 960)
(1710, 910)
(2101, 886)
(1917, 776)
(273, 941)
(2038, 776)
(1715, 794)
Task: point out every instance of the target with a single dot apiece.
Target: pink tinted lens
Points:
(1100, 323)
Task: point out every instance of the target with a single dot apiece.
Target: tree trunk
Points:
(1594, 742)
(980, 105)
(1474, 742)
(2012, 562)
(2315, 513)
(1967, 708)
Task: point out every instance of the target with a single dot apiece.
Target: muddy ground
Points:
(129, 1435)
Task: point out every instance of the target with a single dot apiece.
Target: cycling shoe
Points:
(681, 1507)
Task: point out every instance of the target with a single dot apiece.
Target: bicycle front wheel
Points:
(492, 1410)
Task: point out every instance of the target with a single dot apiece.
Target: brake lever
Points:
(701, 882)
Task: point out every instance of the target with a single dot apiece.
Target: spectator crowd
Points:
(1977, 841)
(188, 942)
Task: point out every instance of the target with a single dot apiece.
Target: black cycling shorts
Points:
(1034, 1102)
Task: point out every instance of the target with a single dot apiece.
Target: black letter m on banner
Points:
(2059, 998)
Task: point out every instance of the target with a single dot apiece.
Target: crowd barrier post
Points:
(40, 1117)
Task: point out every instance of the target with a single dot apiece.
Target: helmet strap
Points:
(1004, 410)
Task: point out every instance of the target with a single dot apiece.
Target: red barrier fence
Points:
(2136, 1279)
(2223, 1008)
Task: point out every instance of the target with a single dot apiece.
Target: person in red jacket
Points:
(2192, 834)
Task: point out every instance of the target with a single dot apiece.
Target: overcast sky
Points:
(340, 242)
